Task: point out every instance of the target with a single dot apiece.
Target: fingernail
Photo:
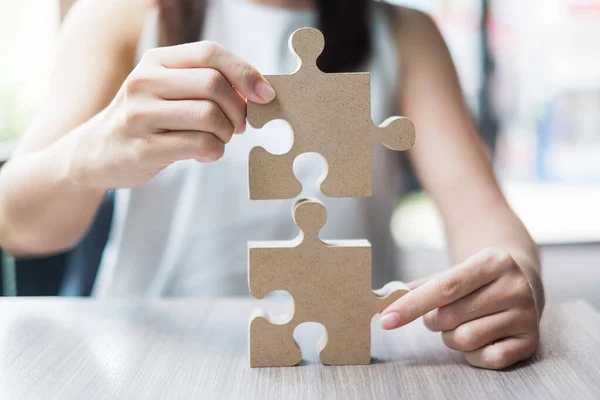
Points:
(264, 91)
(390, 320)
(241, 129)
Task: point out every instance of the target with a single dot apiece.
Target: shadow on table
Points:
(451, 358)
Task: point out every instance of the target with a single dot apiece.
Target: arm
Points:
(449, 157)
(453, 167)
(108, 126)
(41, 208)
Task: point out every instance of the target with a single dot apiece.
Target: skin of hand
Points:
(484, 307)
(181, 102)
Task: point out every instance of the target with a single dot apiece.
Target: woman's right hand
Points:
(180, 102)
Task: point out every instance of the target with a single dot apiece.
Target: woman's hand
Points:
(484, 307)
(181, 102)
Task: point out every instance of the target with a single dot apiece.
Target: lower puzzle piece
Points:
(330, 283)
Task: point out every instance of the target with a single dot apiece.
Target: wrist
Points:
(82, 166)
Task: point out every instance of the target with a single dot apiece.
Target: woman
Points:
(155, 124)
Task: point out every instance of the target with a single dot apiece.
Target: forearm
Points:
(494, 225)
(43, 207)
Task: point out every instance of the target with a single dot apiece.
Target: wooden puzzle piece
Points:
(330, 283)
(330, 114)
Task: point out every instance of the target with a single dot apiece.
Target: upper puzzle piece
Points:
(330, 114)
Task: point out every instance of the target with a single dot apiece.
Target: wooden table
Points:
(190, 349)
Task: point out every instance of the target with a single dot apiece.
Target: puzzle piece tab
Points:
(330, 114)
(330, 283)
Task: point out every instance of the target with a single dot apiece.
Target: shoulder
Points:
(114, 23)
(419, 39)
(406, 18)
(412, 25)
(409, 18)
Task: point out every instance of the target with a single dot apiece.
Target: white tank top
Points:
(185, 232)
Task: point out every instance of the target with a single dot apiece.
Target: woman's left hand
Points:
(485, 307)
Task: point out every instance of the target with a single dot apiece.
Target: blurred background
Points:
(530, 72)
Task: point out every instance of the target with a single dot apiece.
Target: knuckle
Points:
(211, 113)
(505, 259)
(449, 287)
(209, 49)
(189, 112)
(466, 338)
(210, 149)
(431, 321)
(502, 259)
(192, 113)
(487, 255)
(521, 291)
(150, 55)
(228, 134)
(217, 150)
(498, 358)
(183, 148)
(491, 255)
(133, 85)
(522, 286)
(245, 71)
(411, 310)
(497, 259)
(134, 114)
(448, 318)
(213, 80)
(138, 82)
(141, 149)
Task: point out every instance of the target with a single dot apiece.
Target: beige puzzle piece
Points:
(330, 283)
(330, 114)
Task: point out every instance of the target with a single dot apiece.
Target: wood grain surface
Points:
(57, 348)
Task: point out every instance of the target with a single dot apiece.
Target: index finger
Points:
(241, 75)
(419, 282)
(441, 290)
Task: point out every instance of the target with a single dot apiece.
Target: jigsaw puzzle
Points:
(330, 283)
(330, 114)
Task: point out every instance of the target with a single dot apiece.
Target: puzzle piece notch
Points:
(307, 45)
(330, 114)
(310, 216)
(325, 279)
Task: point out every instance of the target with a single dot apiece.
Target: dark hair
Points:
(344, 23)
